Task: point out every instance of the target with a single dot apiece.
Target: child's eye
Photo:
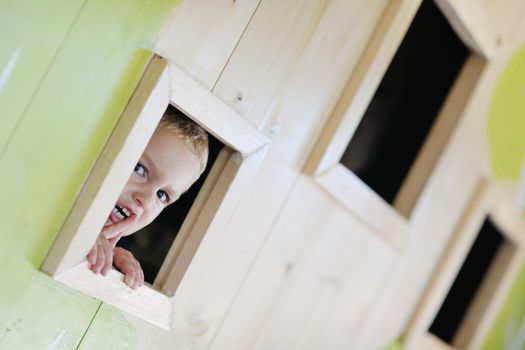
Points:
(163, 196)
(140, 170)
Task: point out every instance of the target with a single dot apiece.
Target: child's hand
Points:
(100, 257)
(129, 266)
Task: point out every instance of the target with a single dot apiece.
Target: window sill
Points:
(144, 302)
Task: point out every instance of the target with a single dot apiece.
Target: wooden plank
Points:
(214, 115)
(144, 302)
(111, 172)
(37, 312)
(275, 272)
(109, 330)
(505, 17)
(431, 342)
(201, 35)
(280, 41)
(25, 57)
(320, 306)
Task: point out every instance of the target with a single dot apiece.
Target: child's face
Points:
(166, 169)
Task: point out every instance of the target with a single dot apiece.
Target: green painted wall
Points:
(506, 131)
(511, 317)
(506, 124)
(67, 68)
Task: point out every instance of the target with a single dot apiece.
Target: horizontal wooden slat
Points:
(143, 302)
(363, 202)
(214, 115)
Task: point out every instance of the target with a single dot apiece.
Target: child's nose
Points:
(144, 198)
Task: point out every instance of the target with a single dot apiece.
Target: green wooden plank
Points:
(109, 330)
(47, 315)
(506, 124)
(31, 33)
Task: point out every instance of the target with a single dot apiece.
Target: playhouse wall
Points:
(293, 269)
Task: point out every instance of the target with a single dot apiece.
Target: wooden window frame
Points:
(496, 201)
(162, 83)
(324, 163)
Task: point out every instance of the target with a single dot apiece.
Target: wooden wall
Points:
(293, 268)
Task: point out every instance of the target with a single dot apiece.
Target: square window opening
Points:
(489, 255)
(236, 150)
(407, 105)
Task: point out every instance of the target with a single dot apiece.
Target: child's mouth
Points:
(120, 213)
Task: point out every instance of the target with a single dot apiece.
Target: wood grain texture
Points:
(25, 57)
(355, 195)
(202, 34)
(284, 40)
(46, 315)
(109, 330)
(214, 115)
(144, 302)
(300, 282)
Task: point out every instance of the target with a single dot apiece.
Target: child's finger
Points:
(118, 227)
(92, 256)
(141, 278)
(129, 279)
(108, 261)
(113, 240)
(99, 262)
(138, 276)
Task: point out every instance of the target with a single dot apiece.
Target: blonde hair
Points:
(192, 134)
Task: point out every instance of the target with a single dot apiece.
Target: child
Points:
(173, 160)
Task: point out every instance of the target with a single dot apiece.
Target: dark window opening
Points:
(406, 103)
(151, 244)
(467, 282)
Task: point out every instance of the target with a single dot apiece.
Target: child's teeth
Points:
(126, 211)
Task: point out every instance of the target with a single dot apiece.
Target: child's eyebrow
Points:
(151, 165)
